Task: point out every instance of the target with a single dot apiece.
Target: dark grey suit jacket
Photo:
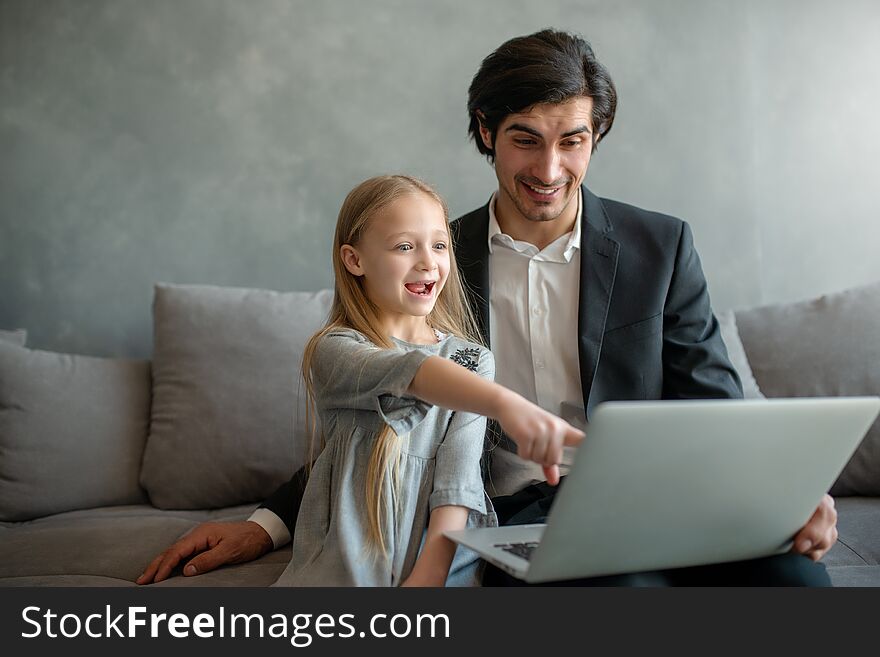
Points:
(645, 326)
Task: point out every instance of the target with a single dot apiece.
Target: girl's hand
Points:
(539, 435)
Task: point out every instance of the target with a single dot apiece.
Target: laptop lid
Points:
(669, 484)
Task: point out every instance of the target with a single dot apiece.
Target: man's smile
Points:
(542, 193)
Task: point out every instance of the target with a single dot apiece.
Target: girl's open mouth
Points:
(422, 289)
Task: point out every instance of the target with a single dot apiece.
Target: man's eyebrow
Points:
(577, 131)
(524, 128)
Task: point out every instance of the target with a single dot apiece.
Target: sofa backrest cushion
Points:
(227, 424)
(824, 347)
(72, 431)
(737, 354)
(16, 337)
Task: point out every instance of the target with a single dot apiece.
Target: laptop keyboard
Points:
(522, 550)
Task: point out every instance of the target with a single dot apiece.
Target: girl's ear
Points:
(351, 259)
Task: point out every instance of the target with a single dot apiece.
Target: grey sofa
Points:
(104, 462)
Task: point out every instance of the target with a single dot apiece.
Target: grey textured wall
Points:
(212, 141)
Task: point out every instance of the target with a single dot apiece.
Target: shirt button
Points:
(536, 311)
(539, 365)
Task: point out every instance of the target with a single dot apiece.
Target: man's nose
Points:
(548, 167)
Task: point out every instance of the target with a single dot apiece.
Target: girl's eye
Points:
(404, 247)
(440, 245)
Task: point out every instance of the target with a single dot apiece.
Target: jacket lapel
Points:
(598, 267)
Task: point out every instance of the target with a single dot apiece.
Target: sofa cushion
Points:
(829, 346)
(72, 431)
(112, 546)
(737, 355)
(854, 559)
(17, 337)
(228, 416)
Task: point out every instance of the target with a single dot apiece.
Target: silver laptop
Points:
(670, 484)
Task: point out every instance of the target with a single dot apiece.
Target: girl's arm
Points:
(539, 435)
(432, 566)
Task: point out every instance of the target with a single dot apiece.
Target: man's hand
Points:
(820, 532)
(216, 544)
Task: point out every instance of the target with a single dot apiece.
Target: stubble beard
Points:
(533, 213)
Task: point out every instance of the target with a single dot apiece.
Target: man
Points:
(607, 301)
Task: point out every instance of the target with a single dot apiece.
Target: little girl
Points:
(401, 386)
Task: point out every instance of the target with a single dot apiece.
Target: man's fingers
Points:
(815, 555)
(160, 568)
(150, 571)
(168, 564)
(208, 561)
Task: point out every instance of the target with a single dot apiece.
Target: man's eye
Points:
(524, 142)
(572, 142)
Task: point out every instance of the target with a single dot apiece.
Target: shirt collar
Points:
(495, 234)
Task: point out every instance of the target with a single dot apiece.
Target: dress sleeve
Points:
(350, 372)
(457, 477)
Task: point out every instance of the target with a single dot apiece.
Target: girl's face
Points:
(403, 256)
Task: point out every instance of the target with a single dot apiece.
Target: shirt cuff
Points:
(273, 525)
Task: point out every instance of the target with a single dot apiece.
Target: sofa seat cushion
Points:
(855, 576)
(855, 558)
(255, 573)
(91, 547)
(858, 526)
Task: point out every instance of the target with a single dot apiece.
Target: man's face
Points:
(541, 157)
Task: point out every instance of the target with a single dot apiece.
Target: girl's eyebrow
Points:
(408, 233)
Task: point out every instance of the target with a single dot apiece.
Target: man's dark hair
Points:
(545, 67)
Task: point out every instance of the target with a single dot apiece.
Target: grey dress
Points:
(358, 386)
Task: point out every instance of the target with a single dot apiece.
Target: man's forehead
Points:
(564, 116)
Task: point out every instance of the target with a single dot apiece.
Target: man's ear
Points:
(351, 259)
(485, 133)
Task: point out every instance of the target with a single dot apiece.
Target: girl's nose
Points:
(428, 262)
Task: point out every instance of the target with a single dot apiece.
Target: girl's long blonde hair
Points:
(352, 309)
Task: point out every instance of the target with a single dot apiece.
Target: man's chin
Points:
(538, 215)
(541, 213)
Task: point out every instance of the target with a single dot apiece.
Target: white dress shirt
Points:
(533, 321)
(534, 295)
